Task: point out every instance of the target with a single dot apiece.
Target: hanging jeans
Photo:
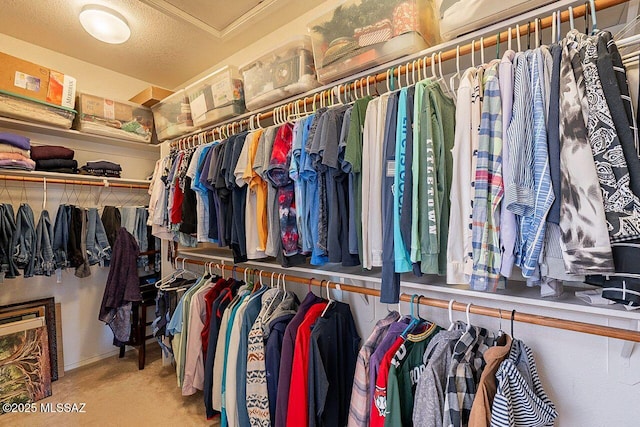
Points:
(98, 248)
(44, 263)
(7, 230)
(111, 220)
(24, 240)
(61, 236)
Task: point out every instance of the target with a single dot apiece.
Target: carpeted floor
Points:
(117, 394)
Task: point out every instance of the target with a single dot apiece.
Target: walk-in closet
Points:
(279, 213)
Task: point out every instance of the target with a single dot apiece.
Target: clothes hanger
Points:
(415, 320)
(413, 72)
(433, 67)
(513, 314)
(473, 54)
(498, 45)
(518, 40)
(594, 18)
(329, 299)
(467, 310)
(537, 32)
(482, 50)
(451, 322)
(6, 190)
(571, 20)
(456, 75)
(406, 74)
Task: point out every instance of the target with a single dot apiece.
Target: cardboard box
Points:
(106, 108)
(34, 81)
(62, 89)
(151, 96)
(23, 78)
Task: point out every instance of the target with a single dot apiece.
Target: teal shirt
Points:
(232, 317)
(402, 257)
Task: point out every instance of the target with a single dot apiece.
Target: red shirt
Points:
(211, 295)
(379, 404)
(298, 409)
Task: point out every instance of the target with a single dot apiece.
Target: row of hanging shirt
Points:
(554, 168)
(78, 238)
(260, 355)
(411, 372)
(520, 173)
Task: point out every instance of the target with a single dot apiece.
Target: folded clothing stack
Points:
(14, 152)
(54, 158)
(101, 168)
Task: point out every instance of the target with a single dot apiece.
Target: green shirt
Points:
(406, 367)
(444, 165)
(353, 156)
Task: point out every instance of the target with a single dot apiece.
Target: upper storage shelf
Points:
(19, 125)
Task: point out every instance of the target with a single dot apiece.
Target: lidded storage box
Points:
(31, 110)
(286, 71)
(463, 16)
(217, 97)
(118, 119)
(172, 116)
(361, 34)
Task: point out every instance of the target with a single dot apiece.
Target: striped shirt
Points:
(532, 227)
(360, 406)
(488, 188)
(520, 399)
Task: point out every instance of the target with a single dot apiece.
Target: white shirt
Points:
(459, 242)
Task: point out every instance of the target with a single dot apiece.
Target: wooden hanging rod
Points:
(361, 83)
(534, 319)
(72, 182)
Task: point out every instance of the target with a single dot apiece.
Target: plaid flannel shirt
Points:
(466, 368)
(488, 188)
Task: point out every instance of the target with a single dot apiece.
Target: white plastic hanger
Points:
(468, 321)
(451, 322)
(473, 54)
(571, 20)
(328, 298)
(456, 75)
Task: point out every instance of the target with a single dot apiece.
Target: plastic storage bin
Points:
(217, 97)
(285, 71)
(463, 16)
(172, 116)
(30, 110)
(118, 119)
(361, 34)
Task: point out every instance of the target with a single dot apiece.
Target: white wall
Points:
(85, 338)
(91, 78)
(296, 27)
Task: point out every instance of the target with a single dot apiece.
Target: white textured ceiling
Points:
(171, 40)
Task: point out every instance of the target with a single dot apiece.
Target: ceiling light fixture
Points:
(105, 24)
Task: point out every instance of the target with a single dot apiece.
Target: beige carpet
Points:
(117, 394)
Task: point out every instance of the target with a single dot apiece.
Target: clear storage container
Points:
(361, 34)
(172, 116)
(286, 71)
(463, 16)
(118, 119)
(217, 97)
(30, 110)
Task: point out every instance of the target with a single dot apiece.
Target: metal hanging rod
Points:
(534, 319)
(104, 183)
(363, 83)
